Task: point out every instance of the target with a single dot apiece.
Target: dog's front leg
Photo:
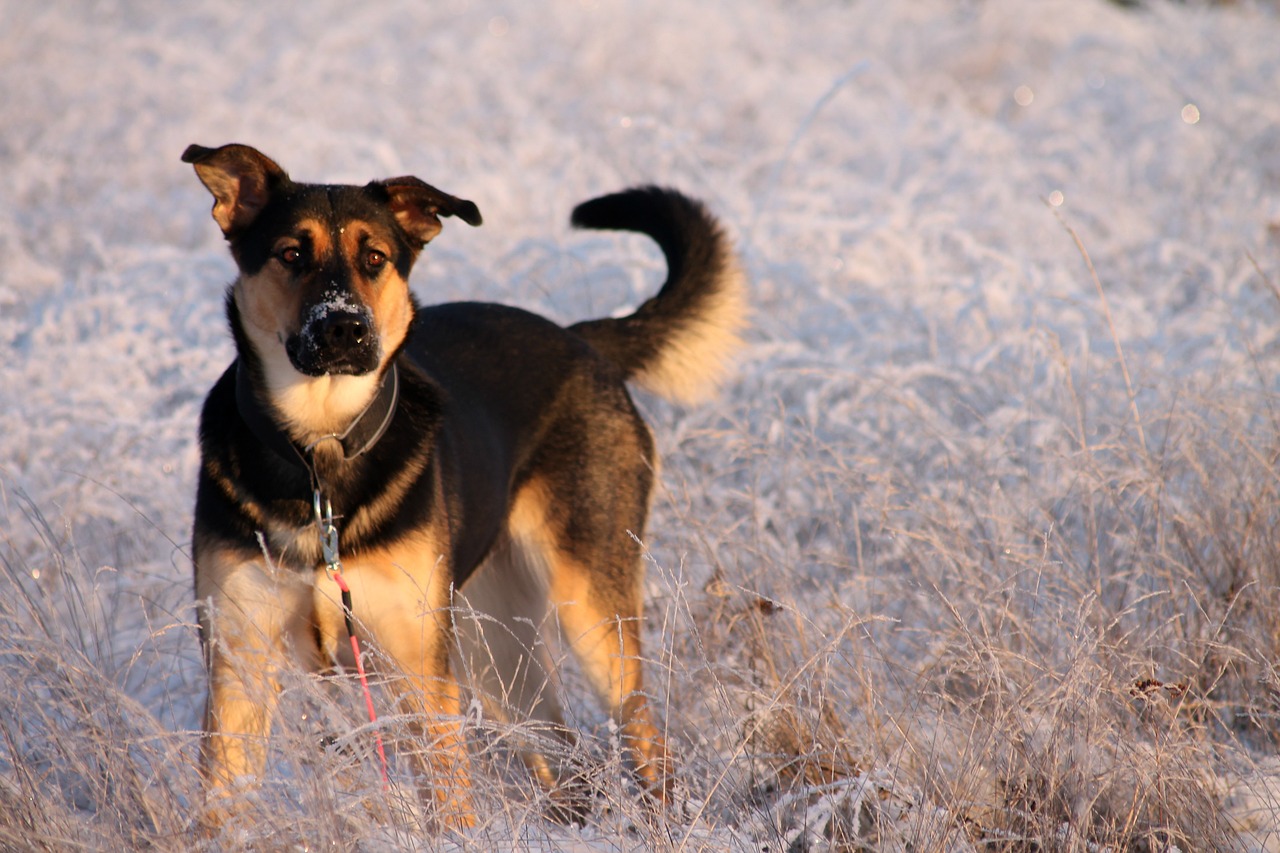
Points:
(254, 621)
(402, 600)
(429, 695)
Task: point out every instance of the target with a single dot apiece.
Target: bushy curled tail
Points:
(679, 343)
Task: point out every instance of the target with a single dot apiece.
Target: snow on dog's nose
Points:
(336, 337)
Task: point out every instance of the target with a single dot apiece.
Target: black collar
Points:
(358, 438)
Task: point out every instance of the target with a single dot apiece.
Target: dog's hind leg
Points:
(595, 577)
(500, 617)
(601, 622)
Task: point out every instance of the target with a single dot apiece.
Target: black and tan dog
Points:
(465, 446)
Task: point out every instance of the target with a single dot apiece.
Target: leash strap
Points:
(333, 567)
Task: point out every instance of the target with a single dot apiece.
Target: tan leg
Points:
(594, 578)
(500, 618)
(256, 622)
(602, 626)
(432, 701)
(406, 614)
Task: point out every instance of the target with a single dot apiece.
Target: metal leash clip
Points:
(333, 568)
(328, 534)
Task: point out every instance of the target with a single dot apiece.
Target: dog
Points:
(460, 450)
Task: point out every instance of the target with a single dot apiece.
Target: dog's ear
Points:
(418, 206)
(241, 180)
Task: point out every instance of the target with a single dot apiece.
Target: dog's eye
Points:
(289, 255)
(375, 259)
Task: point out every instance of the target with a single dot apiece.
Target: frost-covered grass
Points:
(978, 551)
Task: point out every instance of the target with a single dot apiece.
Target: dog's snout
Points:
(344, 329)
(334, 340)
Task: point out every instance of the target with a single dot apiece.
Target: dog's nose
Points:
(343, 329)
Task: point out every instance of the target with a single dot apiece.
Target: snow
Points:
(923, 194)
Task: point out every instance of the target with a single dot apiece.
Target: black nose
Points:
(343, 329)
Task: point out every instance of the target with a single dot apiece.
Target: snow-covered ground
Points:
(980, 545)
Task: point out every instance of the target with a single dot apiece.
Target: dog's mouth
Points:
(335, 339)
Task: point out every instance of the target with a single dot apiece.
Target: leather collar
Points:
(358, 438)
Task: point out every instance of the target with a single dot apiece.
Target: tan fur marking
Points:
(317, 234)
(232, 491)
(388, 296)
(269, 305)
(268, 301)
(603, 629)
(391, 587)
(256, 621)
(699, 356)
(500, 617)
(528, 516)
(389, 499)
(401, 597)
(607, 644)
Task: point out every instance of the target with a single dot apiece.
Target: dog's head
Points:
(323, 289)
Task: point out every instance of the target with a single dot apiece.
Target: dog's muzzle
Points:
(334, 341)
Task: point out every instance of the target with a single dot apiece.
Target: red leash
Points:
(333, 566)
(364, 681)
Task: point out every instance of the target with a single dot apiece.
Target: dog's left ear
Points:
(418, 206)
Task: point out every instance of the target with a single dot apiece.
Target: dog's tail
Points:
(679, 343)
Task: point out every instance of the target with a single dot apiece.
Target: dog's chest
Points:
(292, 547)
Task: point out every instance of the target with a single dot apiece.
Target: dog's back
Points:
(678, 344)
(506, 372)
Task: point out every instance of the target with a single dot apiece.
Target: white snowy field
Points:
(980, 549)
